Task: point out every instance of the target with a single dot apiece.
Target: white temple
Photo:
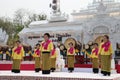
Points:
(101, 17)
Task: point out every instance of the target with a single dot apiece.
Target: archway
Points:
(101, 30)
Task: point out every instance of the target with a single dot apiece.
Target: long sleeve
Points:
(93, 54)
(111, 49)
(33, 54)
(13, 52)
(100, 49)
(16, 55)
(22, 52)
(51, 46)
(108, 52)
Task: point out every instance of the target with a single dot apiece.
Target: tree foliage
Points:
(22, 18)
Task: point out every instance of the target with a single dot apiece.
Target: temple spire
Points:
(56, 14)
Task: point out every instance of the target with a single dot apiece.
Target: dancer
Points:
(53, 59)
(17, 56)
(46, 48)
(106, 52)
(70, 57)
(37, 56)
(95, 60)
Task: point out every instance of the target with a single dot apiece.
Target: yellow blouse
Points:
(18, 56)
(68, 53)
(55, 55)
(49, 48)
(93, 55)
(35, 55)
(103, 52)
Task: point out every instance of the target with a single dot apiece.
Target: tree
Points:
(35, 17)
(22, 18)
(42, 17)
(7, 25)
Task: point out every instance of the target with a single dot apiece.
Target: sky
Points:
(8, 7)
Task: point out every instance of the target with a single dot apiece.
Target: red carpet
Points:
(118, 68)
(31, 66)
(23, 66)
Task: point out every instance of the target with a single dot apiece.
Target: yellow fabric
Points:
(1, 52)
(49, 49)
(86, 52)
(70, 61)
(68, 53)
(102, 52)
(46, 61)
(106, 63)
(95, 63)
(16, 64)
(18, 56)
(35, 55)
(8, 53)
(29, 52)
(93, 55)
(76, 50)
(55, 55)
(53, 62)
(37, 62)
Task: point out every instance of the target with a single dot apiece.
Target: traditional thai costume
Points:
(17, 55)
(70, 58)
(37, 57)
(46, 48)
(106, 53)
(95, 60)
